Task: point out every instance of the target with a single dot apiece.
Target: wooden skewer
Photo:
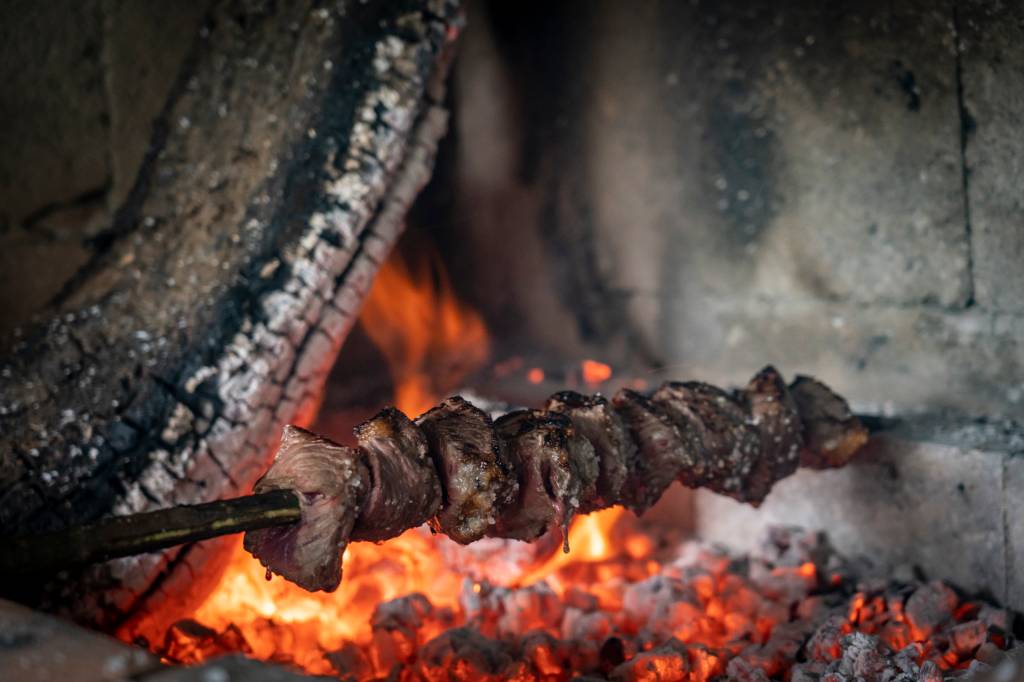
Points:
(146, 532)
(121, 536)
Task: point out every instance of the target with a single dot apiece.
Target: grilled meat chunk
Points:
(404, 488)
(661, 450)
(594, 419)
(773, 412)
(476, 481)
(727, 443)
(832, 434)
(331, 482)
(556, 467)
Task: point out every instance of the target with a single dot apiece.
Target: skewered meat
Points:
(404, 488)
(476, 478)
(774, 414)
(532, 470)
(594, 419)
(661, 455)
(831, 433)
(332, 481)
(727, 444)
(557, 467)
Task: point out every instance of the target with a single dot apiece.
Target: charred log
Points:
(229, 278)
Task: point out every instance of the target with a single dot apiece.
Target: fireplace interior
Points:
(222, 217)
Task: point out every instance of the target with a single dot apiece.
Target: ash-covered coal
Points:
(795, 611)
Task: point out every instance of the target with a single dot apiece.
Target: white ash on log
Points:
(533, 470)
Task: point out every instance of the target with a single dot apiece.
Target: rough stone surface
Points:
(707, 186)
(35, 647)
(84, 84)
(814, 155)
(32, 266)
(54, 165)
(993, 90)
(885, 359)
(1013, 522)
(946, 508)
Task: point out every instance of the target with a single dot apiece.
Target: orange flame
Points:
(589, 542)
(430, 339)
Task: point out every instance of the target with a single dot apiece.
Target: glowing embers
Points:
(279, 621)
(661, 610)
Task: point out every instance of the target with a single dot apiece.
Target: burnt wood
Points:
(277, 180)
(147, 532)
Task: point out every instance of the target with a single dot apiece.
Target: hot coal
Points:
(794, 610)
(190, 642)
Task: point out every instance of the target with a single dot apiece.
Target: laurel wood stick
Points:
(146, 532)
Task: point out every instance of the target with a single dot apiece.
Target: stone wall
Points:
(940, 497)
(711, 186)
(870, 230)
